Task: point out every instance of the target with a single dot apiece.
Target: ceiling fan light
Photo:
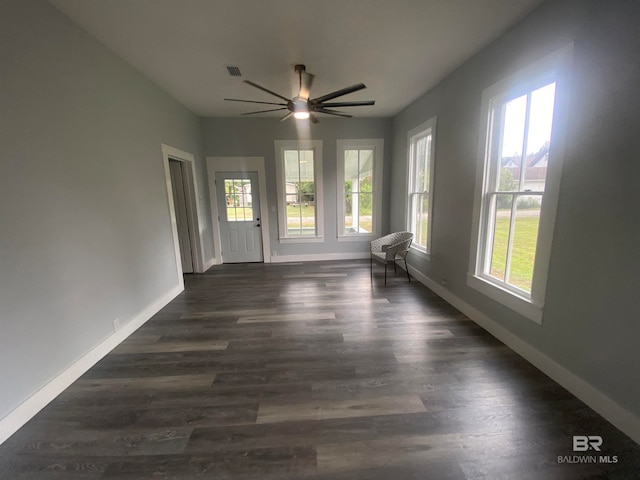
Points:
(301, 115)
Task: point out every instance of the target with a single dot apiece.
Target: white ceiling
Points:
(398, 48)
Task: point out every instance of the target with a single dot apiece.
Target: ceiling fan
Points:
(301, 106)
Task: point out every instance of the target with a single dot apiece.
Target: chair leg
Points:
(371, 266)
(407, 267)
(385, 273)
(395, 268)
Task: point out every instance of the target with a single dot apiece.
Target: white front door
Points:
(239, 207)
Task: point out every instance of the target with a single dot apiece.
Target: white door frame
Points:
(238, 164)
(193, 212)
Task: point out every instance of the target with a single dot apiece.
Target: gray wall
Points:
(591, 318)
(85, 228)
(255, 137)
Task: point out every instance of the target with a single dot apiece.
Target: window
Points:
(239, 201)
(420, 186)
(299, 177)
(520, 167)
(359, 188)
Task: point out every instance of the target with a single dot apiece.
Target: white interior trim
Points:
(30, 407)
(360, 237)
(418, 252)
(318, 172)
(377, 145)
(430, 125)
(521, 305)
(193, 209)
(238, 164)
(619, 416)
(302, 239)
(209, 263)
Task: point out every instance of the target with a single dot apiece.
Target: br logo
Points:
(583, 443)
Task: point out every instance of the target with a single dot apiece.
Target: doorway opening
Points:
(180, 203)
(182, 196)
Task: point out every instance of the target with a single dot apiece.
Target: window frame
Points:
(377, 145)
(552, 68)
(280, 147)
(430, 126)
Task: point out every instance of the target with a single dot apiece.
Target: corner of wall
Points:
(40, 399)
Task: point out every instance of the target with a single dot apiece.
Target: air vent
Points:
(233, 70)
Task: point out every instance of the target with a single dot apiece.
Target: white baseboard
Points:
(31, 406)
(319, 257)
(620, 417)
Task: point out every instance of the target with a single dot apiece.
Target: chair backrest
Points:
(401, 241)
(403, 236)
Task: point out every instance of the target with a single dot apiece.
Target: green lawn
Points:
(243, 214)
(522, 252)
(308, 211)
(293, 212)
(308, 218)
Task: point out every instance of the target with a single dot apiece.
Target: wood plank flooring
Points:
(311, 371)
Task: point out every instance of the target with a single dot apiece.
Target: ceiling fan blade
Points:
(313, 118)
(339, 93)
(286, 116)
(332, 112)
(265, 111)
(306, 80)
(266, 90)
(348, 104)
(253, 101)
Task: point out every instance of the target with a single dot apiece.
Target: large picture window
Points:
(420, 184)
(516, 210)
(359, 188)
(298, 168)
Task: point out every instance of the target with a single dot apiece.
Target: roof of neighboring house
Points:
(536, 164)
(532, 160)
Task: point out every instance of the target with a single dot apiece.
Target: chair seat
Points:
(383, 256)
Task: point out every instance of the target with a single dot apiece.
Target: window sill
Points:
(302, 240)
(420, 253)
(362, 237)
(519, 304)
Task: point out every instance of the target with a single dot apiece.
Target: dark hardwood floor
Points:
(311, 371)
